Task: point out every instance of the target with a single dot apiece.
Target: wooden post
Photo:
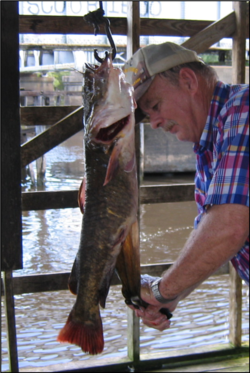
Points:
(239, 43)
(10, 320)
(10, 142)
(235, 307)
(238, 65)
(133, 35)
(133, 44)
(11, 172)
(40, 162)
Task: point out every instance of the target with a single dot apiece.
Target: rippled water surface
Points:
(50, 242)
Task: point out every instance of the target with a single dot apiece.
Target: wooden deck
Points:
(211, 358)
(240, 364)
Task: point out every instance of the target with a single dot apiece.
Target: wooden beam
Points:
(45, 115)
(133, 34)
(31, 24)
(68, 198)
(239, 42)
(9, 304)
(215, 357)
(167, 193)
(11, 229)
(49, 93)
(238, 65)
(55, 135)
(49, 200)
(133, 44)
(235, 307)
(59, 281)
(200, 42)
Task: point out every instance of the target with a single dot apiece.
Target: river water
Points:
(50, 242)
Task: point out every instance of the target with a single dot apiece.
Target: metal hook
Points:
(96, 18)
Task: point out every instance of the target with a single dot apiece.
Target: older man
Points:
(181, 94)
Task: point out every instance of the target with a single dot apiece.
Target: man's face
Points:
(171, 108)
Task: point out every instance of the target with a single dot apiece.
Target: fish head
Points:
(108, 103)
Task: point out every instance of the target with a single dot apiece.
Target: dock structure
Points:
(14, 157)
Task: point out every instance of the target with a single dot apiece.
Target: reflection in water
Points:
(50, 242)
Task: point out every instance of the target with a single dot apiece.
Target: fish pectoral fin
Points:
(81, 195)
(130, 164)
(113, 164)
(105, 285)
(128, 265)
(72, 281)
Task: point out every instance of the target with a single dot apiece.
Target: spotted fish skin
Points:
(109, 200)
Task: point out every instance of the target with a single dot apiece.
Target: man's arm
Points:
(221, 233)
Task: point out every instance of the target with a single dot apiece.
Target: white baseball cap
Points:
(141, 69)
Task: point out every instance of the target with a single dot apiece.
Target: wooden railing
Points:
(202, 35)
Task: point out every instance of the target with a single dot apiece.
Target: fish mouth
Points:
(107, 134)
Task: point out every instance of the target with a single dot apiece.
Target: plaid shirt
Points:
(222, 166)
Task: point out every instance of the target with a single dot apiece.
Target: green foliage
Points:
(58, 75)
(210, 58)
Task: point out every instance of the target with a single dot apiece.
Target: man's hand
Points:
(151, 315)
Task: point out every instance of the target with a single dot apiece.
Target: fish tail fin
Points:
(88, 335)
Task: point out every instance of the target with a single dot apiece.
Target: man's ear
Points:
(188, 79)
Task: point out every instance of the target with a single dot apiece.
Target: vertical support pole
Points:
(133, 44)
(133, 35)
(235, 307)
(11, 232)
(239, 43)
(11, 167)
(40, 162)
(238, 66)
(10, 320)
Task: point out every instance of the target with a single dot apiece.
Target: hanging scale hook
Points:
(96, 18)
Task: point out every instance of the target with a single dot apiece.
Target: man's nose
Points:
(155, 122)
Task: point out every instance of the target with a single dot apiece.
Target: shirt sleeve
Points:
(230, 181)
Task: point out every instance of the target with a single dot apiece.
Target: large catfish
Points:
(109, 198)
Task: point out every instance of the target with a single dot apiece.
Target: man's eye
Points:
(155, 107)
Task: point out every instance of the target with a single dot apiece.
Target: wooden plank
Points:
(59, 281)
(235, 307)
(239, 42)
(238, 66)
(32, 24)
(150, 361)
(55, 135)
(75, 25)
(10, 320)
(44, 115)
(49, 200)
(200, 42)
(229, 364)
(133, 44)
(134, 27)
(68, 198)
(48, 93)
(69, 46)
(11, 229)
(167, 193)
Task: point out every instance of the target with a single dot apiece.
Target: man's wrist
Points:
(156, 292)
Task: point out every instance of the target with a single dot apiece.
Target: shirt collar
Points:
(220, 96)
